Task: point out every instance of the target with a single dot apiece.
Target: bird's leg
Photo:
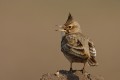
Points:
(71, 66)
(83, 69)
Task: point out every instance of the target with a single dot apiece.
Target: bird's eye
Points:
(69, 27)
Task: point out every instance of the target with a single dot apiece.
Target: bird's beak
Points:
(60, 29)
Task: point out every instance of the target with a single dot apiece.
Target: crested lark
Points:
(76, 46)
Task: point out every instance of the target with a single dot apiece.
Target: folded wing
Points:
(92, 50)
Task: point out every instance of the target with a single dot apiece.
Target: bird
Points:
(75, 46)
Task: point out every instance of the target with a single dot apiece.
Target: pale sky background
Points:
(29, 46)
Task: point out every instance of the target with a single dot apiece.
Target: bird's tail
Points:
(92, 61)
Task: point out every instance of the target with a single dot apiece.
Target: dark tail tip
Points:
(92, 62)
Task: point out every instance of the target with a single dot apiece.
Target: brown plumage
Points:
(75, 46)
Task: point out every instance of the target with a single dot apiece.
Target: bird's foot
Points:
(83, 71)
(71, 70)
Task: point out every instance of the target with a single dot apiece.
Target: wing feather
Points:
(92, 49)
(74, 42)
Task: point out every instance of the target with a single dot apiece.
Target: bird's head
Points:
(71, 26)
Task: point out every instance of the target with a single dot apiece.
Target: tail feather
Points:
(92, 61)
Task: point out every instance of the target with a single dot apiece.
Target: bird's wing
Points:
(92, 61)
(75, 43)
(92, 49)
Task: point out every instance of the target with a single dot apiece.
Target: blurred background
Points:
(29, 45)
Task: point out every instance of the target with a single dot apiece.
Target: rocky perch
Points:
(67, 75)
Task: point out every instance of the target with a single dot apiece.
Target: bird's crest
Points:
(69, 20)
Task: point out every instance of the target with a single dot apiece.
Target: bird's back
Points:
(75, 47)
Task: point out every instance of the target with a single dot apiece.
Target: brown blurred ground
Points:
(29, 46)
(68, 75)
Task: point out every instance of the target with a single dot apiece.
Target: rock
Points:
(67, 75)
